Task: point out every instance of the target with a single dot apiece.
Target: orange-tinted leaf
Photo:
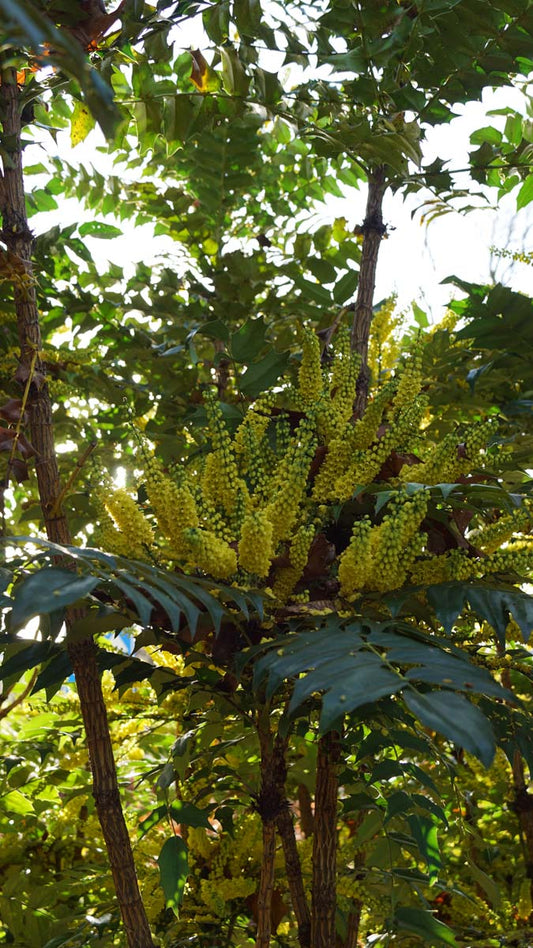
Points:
(202, 76)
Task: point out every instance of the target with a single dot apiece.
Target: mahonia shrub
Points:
(313, 503)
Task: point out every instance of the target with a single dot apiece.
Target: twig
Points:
(18, 428)
(21, 697)
(77, 468)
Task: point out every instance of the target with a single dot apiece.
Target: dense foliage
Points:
(300, 627)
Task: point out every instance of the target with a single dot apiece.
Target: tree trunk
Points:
(293, 868)
(269, 807)
(324, 889)
(18, 239)
(373, 230)
(522, 800)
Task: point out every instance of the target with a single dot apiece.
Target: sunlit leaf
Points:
(173, 868)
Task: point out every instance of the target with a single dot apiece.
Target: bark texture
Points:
(373, 231)
(18, 239)
(269, 805)
(293, 867)
(324, 890)
(522, 800)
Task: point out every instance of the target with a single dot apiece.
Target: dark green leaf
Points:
(174, 869)
(457, 719)
(425, 833)
(261, 375)
(425, 925)
(246, 343)
(48, 590)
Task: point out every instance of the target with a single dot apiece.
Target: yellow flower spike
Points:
(398, 542)
(355, 561)
(227, 487)
(130, 521)
(255, 545)
(490, 538)
(366, 428)
(337, 410)
(173, 504)
(288, 576)
(310, 381)
(384, 348)
(210, 554)
(409, 381)
(288, 486)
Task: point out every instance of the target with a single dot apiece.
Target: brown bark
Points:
(354, 920)
(269, 806)
(522, 800)
(293, 868)
(18, 239)
(307, 820)
(324, 891)
(373, 230)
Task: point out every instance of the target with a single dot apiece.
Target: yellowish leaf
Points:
(81, 123)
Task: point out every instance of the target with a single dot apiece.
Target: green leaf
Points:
(246, 343)
(48, 590)
(24, 657)
(425, 925)
(99, 229)
(173, 868)
(261, 375)
(493, 604)
(345, 288)
(525, 194)
(488, 134)
(488, 884)
(215, 329)
(457, 719)
(15, 802)
(190, 815)
(425, 833)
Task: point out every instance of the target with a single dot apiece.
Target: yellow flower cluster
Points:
(255, 545)
(355, 564)
(449, 460)
(222, 483)
(255, 457)
(381, 557)
(289, 483)
(244, 512)
(491, 537)
(410, 381)
(460, 566)
(384, 347)
(173, 505)
(209, 553)
(335, 409)
(288, 576)
(125, 528)
(310, 381)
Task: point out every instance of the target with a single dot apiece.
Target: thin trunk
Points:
(352, 928)
(269, 807)
(307, 820)
(373, 230)
(293, 868)
(18, 239)
(324, 892)
(522, 800)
